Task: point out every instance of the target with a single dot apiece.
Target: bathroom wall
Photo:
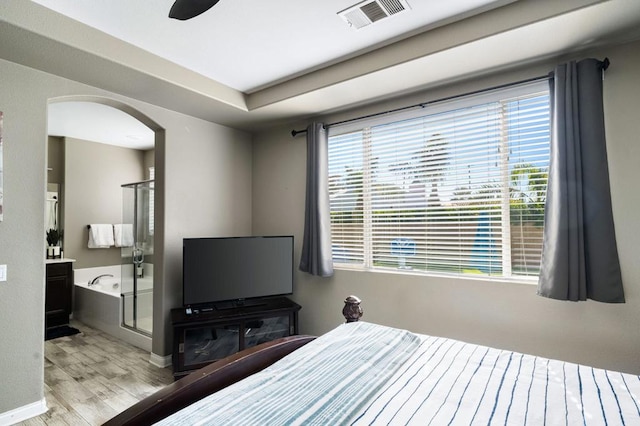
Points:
(149, 161)
(55, 160)
(94, 173)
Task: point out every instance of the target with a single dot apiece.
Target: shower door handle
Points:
(138, 256)
(138, 259)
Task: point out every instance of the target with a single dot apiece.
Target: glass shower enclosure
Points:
(137, 256)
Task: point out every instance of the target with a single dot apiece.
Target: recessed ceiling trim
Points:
(355, 81)
(474, 28)
(70, 34)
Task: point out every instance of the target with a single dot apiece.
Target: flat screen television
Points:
(226, 272)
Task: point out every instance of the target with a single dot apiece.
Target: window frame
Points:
(433, 108)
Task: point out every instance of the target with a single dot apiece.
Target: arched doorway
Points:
(107, 126)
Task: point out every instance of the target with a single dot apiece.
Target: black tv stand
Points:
(203, 336)
(233, 304)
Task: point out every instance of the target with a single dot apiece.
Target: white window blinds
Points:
(460, 189)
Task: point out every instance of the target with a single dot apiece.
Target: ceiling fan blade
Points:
(187, 9)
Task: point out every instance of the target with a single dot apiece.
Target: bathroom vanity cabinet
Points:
(59, 285)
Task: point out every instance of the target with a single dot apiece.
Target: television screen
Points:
(234, 269)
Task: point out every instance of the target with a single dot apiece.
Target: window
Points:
(456, 188)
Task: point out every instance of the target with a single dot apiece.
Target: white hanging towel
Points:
(123, 234)
(100, 235)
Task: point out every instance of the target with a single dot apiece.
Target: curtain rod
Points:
(448, 98)
(605, 64)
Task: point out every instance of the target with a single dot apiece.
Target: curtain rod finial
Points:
(605, 64)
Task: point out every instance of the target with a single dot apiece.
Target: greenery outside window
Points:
(455, 188)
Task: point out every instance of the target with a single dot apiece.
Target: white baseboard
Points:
(23, 413)
(160, 361)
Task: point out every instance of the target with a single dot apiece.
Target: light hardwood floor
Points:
(92, 376)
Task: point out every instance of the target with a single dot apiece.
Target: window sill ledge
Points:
(413, 273)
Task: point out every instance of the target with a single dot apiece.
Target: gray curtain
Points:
(316, 246)
(579, 256)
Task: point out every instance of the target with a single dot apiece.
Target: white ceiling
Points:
(249, 44)
(252, 64)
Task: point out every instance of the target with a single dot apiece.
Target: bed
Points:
(362, 373)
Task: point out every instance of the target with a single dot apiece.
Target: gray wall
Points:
(204, 181)
(208, 194)
(21, 234)
(501, 314)
(93, 175)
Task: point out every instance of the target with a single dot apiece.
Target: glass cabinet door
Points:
(207, 344)
(265, 330)
(200, 338)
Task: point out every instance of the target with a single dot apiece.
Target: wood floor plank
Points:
(47, 363)
(150, 376)
(56, 407)
(72, 391)
(82, 357)
(103, 388)
(35, 421)
(69, 345)
(81, 372)
(135, 386)
(91, 376)
(54, 375)
(95, 411)
(51, 348)
(73, 419)
(108, 369)
(121, 401)
(94, 354)
(57, 421)
(62, 359)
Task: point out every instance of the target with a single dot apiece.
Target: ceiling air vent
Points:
(370, 11)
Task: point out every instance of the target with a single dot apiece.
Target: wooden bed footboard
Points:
(207, 380)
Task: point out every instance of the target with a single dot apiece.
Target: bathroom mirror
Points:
(54, 196)
(52, 206)
(53, 217)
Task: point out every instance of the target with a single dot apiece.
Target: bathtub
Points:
(107, 285)
(101, 305)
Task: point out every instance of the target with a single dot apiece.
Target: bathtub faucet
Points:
(95, 280)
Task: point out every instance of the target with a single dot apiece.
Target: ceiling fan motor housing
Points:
(187, 9)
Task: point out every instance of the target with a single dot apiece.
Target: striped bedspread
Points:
(363, 374)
